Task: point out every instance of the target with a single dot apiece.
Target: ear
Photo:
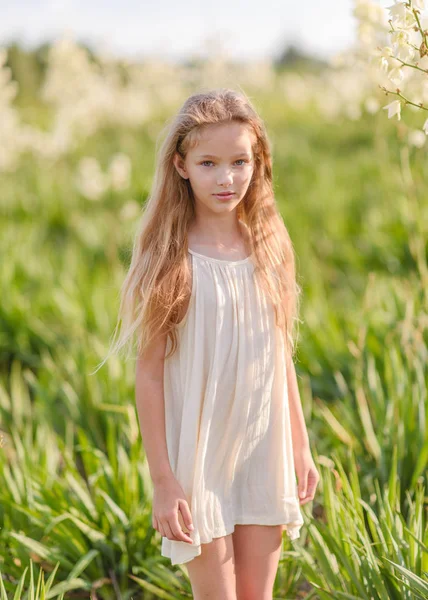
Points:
(180, 166)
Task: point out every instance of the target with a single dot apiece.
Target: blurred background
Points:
(85, 93)
(178, 31)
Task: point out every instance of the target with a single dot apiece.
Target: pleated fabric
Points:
(226, 409)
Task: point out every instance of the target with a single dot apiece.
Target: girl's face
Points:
(222, 161)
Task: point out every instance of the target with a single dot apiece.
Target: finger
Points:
(302, 487)
(309, 496)
(312, 483)
(154, 523)
(178, 532)
(184, 510)
(311, 489)
(161, 529)
(167, 529)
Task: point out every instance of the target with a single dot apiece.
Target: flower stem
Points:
(423, 33)
(406, 100)
(412, 66)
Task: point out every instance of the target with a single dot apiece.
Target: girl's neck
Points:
(205, 241)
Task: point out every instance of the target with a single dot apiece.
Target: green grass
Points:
(75, 492)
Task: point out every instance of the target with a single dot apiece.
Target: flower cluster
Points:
(93, 183)
(86, 95)
(405, 58)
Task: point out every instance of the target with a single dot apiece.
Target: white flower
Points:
(371, 105)
(396, 75)
(90, 180)
(400, 37)
(425, 127)
(419, 4)
(385, 59)
(401, 16)
(367, 10)
(130, 210)
(405, 52)
(417, 138)
(394, 108)
(402, 45)
(119, 171)
(381, 57)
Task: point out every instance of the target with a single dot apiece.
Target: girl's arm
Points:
(300, 436)
(171, 512)
(149, 395)
(307, 474)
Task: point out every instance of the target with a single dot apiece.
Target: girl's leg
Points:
(257, 553)
(212, 573)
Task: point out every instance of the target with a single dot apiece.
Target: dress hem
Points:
(292, 529)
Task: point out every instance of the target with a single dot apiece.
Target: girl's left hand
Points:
(307, 475)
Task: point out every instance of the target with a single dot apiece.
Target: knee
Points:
(248, 592)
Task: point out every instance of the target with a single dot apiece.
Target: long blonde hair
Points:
(158, 283)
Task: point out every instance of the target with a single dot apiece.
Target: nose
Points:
(224, 178)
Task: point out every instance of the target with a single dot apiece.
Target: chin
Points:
(227, 207)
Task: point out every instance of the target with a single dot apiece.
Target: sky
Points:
(246, 29)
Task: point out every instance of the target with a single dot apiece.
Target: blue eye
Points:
(210, 161)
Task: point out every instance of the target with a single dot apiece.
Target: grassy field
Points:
(75, 491)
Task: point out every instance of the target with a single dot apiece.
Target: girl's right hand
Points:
(169, 504)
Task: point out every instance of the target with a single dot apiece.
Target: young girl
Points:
(212, 294)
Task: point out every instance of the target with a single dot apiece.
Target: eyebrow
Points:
(236, 155)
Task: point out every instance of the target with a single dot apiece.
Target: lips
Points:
(225, 194)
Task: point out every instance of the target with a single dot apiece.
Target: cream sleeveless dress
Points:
(226, 409)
